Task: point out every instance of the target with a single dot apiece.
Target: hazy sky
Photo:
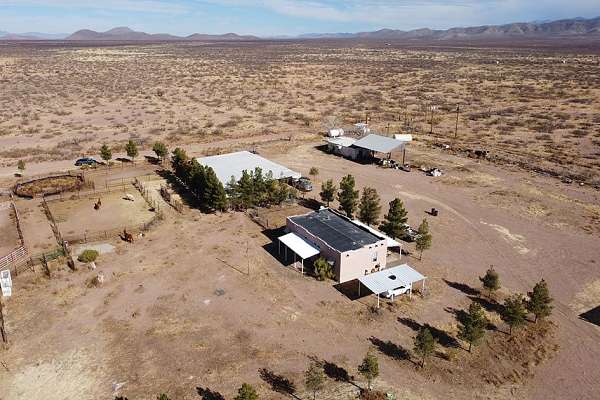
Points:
(274, 17)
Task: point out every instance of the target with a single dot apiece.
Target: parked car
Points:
(410, 235)
(303, 184)
(400, 290)
(85, 161)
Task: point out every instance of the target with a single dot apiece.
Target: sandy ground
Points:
(9, 239)
(36, 228)
(78, 216)
(177, 310)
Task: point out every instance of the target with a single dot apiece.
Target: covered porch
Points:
(388, 280)
(300, 248)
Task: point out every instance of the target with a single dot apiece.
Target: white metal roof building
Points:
(233, 164)
(379, 144)
(389, 279)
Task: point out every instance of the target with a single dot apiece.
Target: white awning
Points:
(391, 278)
(299, 246)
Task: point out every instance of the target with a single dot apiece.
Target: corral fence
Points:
(20, 253)
(95, 236)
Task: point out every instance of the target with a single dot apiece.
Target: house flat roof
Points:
(233, 164)
(337, 231)
(380, 144)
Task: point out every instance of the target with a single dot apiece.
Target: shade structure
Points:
(377, 143)
(299, 246)
(391, 278)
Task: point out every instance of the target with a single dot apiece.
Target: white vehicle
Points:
(400, 290)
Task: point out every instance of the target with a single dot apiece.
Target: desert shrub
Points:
(373, 395)
(323, 269)
(88, 255)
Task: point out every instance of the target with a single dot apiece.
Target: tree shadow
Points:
(335, 372)
(488, 304)
(186, 196)
(442, 337)
(208, 394)
(459, 314)
(463, 287)
(278, 383)
(391, 349)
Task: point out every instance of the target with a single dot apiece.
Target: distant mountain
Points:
(566, 27)
(126, 34)
(32, 36)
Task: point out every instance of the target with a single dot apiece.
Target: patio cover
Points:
(377, 143)
(299, 246)
(391, 278)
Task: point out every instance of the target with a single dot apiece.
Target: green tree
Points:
(246, 392)
(179, 159)
(314, 378)
(539, 303)
(423, 238)
(323, 269)
(490, 281)
(514, 312)
(232, 190)
(472, 328)
(21, 165)
(160, 149)
(394, 224)
(369, 207)
(328, 190)
(369, 368)
(132, 150)
(105, 153)
(246, 190)
(259, 187)
(214, 195)
(424, 344)
(348, 196)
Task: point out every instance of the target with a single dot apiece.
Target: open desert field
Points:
(203, 302)
(535, 105)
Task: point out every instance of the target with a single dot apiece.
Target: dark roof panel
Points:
(336, 230)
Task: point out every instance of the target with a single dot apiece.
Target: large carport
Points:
(380, 144)
(298, 246)
(391, 278)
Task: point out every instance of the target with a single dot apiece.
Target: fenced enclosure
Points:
(94, 215)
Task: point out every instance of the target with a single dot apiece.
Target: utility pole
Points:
(3, 334)
(247, 258)
(432, 110)
(456, 130)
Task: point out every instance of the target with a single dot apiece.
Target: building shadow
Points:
(591, 316)
(208, 394)
(441, 336)
(391, 349)
(463, 287)
(350, 290)
(278, 383)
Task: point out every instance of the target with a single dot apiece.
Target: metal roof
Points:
(337, 231)
(380, 144)
(299, 246)
(233, 164)
(341, 141)
(391, 278)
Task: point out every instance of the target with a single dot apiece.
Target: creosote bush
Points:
(88, 255)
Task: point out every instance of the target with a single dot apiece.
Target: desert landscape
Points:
(198, 302)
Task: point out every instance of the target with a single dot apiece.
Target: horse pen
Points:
(101, 215)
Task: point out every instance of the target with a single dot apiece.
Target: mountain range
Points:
(549, 29)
